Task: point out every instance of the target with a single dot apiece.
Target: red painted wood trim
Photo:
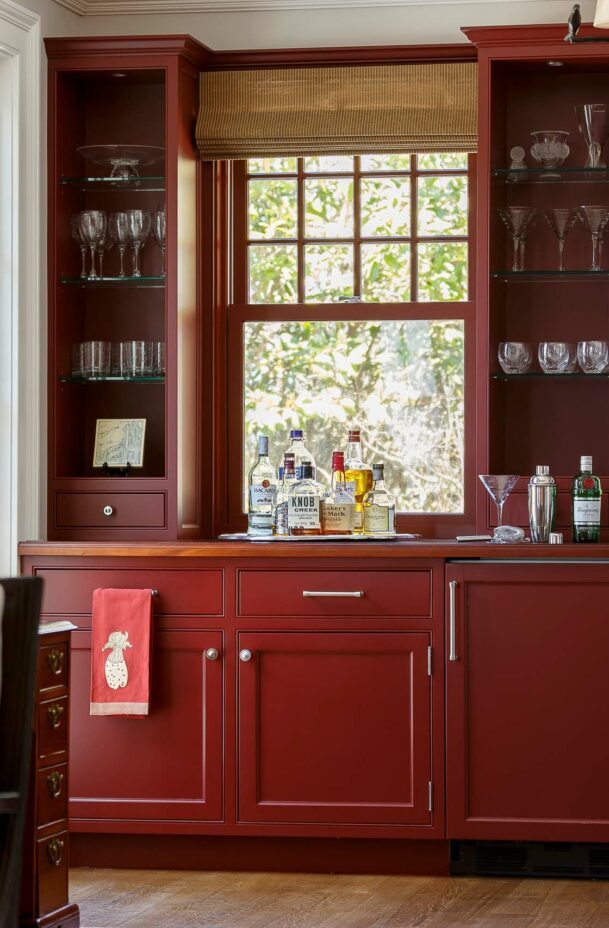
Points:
(526, 35)
(98, 46)
(315, 57)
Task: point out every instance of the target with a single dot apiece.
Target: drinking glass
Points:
(78, 359)
(138, 226)
(557, 357)
(595, 218)
(593, 356)
(120, 233)
(515, 357)
(499, 487)
(93, 224)
(561, 221)
(517, 220)
(78, 238)
(97, 356)
(159, 232)
(134, 358)
(593, 121)
(157, 365)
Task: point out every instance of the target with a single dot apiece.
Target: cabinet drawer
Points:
(52, 854)
(52, 794)
(122, 510)
(52, 727)
(349, 593)
(52, 666)
(180, 591)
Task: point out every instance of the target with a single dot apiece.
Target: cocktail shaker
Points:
(542, 504)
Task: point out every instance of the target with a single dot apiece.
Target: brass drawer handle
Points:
(55, 661)
(55, 851)
(55, 784)
(55, 714)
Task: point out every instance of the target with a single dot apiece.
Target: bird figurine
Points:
(573, 23)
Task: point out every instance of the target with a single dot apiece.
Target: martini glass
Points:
(499, 487)
(517, 220)
(595, 217)
(561, 221)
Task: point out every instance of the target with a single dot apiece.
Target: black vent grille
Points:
(530, 858)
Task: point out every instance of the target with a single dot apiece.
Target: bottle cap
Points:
(555, 538)
(354, 434)
(542, 470)
(296, 433)
(378, 471)
(586, 462)
(263, 444)
(306, 470)
(338, 460)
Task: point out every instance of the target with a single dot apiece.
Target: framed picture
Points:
(119, 442)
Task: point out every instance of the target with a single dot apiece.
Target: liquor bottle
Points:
(297, 448)
(586, 495)
(338, 505)
(358, 476)
(262, 484)
(304, 504)
(379, 506)
(280, 519)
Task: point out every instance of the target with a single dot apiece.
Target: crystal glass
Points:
(557, 357)
(550, 148)
(78, 238)
(561, 221)
(593, 121)
(517, 220)
(159, 232)
(78, 357)
(595, 218)
(515, 357)
(157, 363)
(593, 356)
(96, 358)
(138, 229)
(93, 224)
(499, 487)
(119, 230)
(134, 358)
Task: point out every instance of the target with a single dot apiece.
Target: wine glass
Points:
(561, 221)
(159, 232)
(593, 121)
(138, 227)
(499, 487)
(517, 220)
(120, 233)
(105, 244)
(93, 224)
(78, 238)
(595, 218)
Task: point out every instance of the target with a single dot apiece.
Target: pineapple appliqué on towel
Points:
(116, 671)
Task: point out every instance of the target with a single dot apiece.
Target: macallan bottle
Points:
(379, 506)
(586, 495)
(338, 505)
(358, 476)
(297, 448)
(262, 484)
(280, 521)
(304, 504)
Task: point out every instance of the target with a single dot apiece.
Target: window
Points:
(391, 231)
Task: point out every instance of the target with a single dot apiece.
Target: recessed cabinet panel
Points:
(111, 510)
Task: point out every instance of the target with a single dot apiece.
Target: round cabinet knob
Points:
(108, 510)
(212, 654)
(245, 655)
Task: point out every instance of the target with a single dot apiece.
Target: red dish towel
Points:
(121, 652)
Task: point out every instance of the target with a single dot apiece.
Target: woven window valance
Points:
(338, 110)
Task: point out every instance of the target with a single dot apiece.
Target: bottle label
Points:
(261, 495)
(303, 511)
(281, 519)
(338, 517)
(586, 511)
(358, 521)
(259, 523)
(379, 519)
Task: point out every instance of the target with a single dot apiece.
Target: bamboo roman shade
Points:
(337, 110)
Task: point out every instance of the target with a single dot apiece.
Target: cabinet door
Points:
(528, 702)
(165, 767)
(334, 728)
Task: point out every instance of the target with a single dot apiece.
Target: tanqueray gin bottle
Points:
(586, 496)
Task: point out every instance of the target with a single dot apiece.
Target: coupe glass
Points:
(158, 230)
(593, 121)
(515, 357)
(593, 356)
(557, 357)
(138, 226)
(595, 218)
(561, 221)
(93, 224)
(517, 220)
(78, 238)
(499, 487)
(119, 230)
(550, 148)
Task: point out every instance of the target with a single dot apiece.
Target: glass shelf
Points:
(550, 275)
(141, 184)
(562, 175)
(112, 378)
(114, 281)
(539, 375)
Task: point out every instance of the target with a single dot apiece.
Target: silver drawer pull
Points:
(452, 620)
(108, 510)
(352, 594)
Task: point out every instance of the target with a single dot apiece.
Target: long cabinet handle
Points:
(452, 619)
(354, 594)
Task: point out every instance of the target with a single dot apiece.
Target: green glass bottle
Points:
(586, 497)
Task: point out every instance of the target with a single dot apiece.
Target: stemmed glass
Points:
(78, 238)
(159, 231)
(105, 244)
(138, 227)
(119, 230)
(499, 487)
(93, 225)
(561, 221)
(517, 220)
(593, 120)
(596, 218)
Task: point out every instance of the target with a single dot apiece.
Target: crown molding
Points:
(17, 15)
(151, 7)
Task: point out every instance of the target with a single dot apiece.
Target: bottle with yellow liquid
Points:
(358, 476)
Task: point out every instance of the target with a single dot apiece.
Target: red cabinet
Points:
(334, 728)
(528, 702)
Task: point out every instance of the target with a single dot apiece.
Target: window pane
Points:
(385, 162)
(442, 161)
(328, 273)
(442, 203)
(401, 382)
(329, 208)
(442, 271)
(328, 163)
(273, 274)
(385, 205)
(272, 208)
(386, 273)
(272, 165)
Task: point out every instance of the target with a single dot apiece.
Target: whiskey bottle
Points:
(379, 506)
(304, 504)
(280, 520)
(586, 496)
(297, 448)
(338, 505)
(262, 484)
(358, 476)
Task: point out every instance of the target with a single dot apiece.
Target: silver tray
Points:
(243, 536)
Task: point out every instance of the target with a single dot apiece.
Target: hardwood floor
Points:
(178, 899)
